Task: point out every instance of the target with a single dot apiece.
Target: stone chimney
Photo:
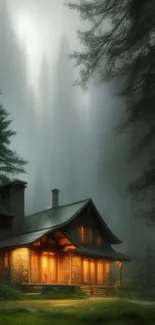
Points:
(55, 198)
(13, 199)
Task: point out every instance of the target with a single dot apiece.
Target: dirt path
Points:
(141, 302)
(49, 304)
(52, 304)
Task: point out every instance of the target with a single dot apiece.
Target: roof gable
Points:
(113, 239)
(38, 224)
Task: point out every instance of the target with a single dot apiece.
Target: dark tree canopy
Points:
(10, 161)
(119, 45)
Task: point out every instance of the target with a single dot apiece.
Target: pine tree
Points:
(10, 161)
(143, 272)
(119, 46)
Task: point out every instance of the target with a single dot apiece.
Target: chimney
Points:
(55, 198)
(13, 199)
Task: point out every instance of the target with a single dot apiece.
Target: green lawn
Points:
(91, 312)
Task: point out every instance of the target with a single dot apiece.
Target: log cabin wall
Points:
(77, 267)
(20, 265)
(33, 266)
(64, 268)
(89, 271)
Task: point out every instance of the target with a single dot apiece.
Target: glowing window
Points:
(107, 267)
(6, 260)
(45, 259)
(36, 243)
(64, 241)
(81, 234)
(99, 240)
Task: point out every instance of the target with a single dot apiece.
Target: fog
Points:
(68, 135)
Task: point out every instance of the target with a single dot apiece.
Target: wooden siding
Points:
(48, 267)
(66, 267)
(92, 272)
(85, 229)
(35, 267)
(76, 270)
(86, 271)
(99, 266)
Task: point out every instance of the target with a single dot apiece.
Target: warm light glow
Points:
(64, 241)
(107, 267)
(92, 272)
(58, 234)
(6, 260)
(99, 240)
(22, 252)
(119, 264)
(44, 260)
(81, 233)
(69, 247)
(36, 243)
(85, 271)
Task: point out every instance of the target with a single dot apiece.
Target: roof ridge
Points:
(59, 207)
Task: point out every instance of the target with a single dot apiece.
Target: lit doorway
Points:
(48, 267)
(99, 272)
(92, 272)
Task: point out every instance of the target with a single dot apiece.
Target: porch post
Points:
(71, 262)
(11, 267)
(40, 268)
(120, 272)
(29, 274)
(57, 267)
(82, 268)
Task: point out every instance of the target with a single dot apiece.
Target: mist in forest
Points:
(68, 135)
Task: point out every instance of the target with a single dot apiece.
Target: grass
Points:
(95, 312)
(135, 293)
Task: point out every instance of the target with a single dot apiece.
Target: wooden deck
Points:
(95, 290)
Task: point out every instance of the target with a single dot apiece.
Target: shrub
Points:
(8, 292)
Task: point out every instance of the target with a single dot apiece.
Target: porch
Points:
(32, 266)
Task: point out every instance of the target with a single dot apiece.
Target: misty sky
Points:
(68, 136)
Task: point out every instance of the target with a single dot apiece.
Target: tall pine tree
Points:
(119, 45)
(10, 161)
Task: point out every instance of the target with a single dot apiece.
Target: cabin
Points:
(69, 244)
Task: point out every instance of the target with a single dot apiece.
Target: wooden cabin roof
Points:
(39, 224)
(106, 253)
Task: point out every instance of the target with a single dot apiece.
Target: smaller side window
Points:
(81, 234)
(6, 260)
(99, 240)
